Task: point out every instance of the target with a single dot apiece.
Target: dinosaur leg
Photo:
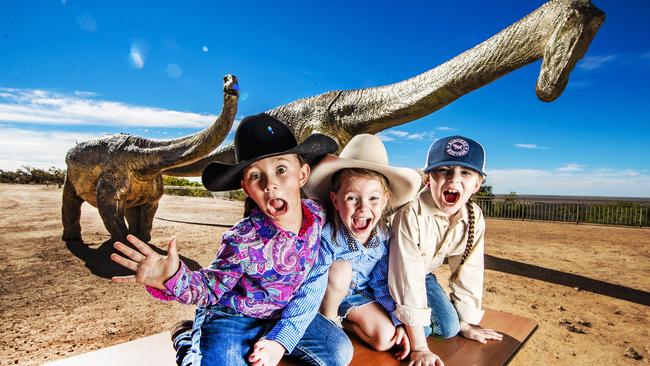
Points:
(146, 215)
(111, 210)
(71, 213)
(133, 218)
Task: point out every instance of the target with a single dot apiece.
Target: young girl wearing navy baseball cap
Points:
(441, 223)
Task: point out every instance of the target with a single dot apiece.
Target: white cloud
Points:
(43, 149)
(601, 182)
(38, 149)
(137, 57)
(79, 108)
(531, 146)
(572, 167)
(445, 128)
(595, 62)
(205, 48)
(395, 135)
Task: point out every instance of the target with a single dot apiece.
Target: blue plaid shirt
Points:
(369, 276)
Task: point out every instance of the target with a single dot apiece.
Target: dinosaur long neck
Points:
(512, 48)
(188, 149)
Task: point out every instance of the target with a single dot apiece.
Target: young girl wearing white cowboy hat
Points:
(353, 263)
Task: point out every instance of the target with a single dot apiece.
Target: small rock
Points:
(584, 323)
(577, 289)
(610, 323)
(572, 353)
(564, 321)
(632, 353)
(491, 289)
(575, 329)
(561, 308)
(534, 306)
(618, 312)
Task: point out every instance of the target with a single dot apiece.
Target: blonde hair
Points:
(337, 182)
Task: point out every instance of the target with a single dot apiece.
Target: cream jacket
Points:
(422, 238)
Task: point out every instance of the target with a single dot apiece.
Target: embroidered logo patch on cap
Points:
(270, 129)
(457, 147)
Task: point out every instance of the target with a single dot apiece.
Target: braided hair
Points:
(470, 238)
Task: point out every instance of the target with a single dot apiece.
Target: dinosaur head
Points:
(574, 30)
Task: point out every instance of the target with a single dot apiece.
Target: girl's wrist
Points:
(421, 349)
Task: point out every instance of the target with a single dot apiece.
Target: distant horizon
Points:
(75, 71)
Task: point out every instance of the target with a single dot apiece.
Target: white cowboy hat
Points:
(367, 152)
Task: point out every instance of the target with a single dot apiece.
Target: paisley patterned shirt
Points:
(258, 268)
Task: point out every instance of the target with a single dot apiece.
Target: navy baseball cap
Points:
(456, 150)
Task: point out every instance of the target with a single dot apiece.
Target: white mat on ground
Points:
(153, 350)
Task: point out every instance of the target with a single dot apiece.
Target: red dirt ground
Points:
(56, 304)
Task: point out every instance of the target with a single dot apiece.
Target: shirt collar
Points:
(267, 229)
(377, 236)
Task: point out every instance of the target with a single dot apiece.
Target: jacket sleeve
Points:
(407, 269)
(379, 285)
(207, 285)
(302, 308)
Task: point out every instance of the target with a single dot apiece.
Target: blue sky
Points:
(75, 70)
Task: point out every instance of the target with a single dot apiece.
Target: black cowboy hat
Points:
(258, 137)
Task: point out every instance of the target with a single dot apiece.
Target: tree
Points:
(485, 191)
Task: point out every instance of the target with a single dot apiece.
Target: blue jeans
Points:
(444, 318)
(222, 337)
(352, 301)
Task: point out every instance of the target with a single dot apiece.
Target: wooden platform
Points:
(459, 351)
(153, 350)
(157, 349)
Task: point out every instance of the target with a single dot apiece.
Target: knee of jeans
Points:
(449, 329)
(343, 354)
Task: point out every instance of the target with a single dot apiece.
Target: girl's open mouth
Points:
(450, 196)
(361, 223)
(277, 207)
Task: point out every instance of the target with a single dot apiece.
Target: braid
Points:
(470, 238)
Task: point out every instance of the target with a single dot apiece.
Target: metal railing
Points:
(618, 213)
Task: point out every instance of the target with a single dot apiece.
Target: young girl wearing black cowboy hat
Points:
(246, 311)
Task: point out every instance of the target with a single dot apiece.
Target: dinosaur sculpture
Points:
(559, 32)
(121, 174)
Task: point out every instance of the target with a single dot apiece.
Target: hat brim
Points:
(218, 176)
(404, 183)
(453, 163)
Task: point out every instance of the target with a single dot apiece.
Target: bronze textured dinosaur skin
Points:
(121, 174)
(558, 32)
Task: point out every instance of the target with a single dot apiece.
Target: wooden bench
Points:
(157, 349)
(458, 351)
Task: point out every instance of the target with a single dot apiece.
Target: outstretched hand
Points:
(151, 269)
(477, 333)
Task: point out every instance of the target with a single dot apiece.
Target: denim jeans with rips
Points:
(444, 318)
(222, 337)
